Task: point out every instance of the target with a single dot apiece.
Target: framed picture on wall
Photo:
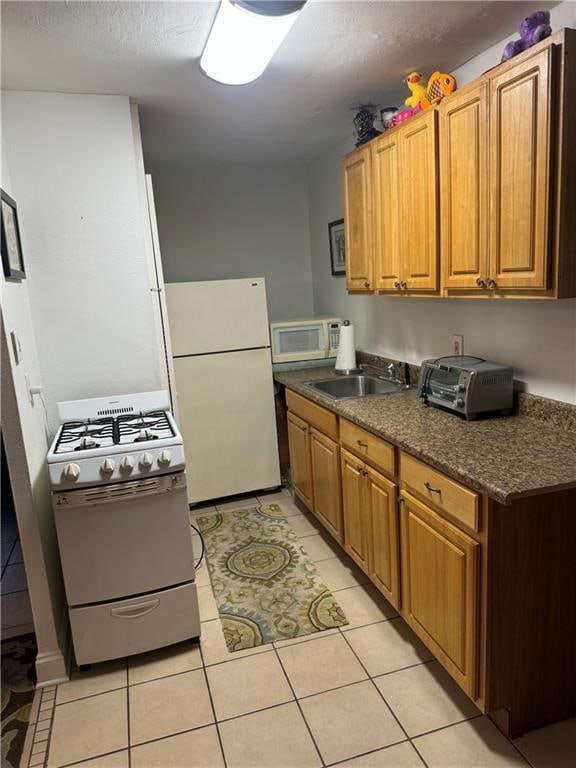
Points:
(337, 247)
(12, 260)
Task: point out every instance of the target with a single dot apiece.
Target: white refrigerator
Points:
(224, 388)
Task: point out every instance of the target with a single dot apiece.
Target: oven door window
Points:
(443, 384)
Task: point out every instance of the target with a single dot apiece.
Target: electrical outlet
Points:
(457, 344)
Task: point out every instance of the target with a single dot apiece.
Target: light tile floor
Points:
(366, 696)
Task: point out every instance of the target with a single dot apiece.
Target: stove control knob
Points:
(127, 464)
(107, 466)
(146, 460)
(459, 402)
(164, 457)
(71, 471)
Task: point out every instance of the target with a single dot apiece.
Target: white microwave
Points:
(315, 338)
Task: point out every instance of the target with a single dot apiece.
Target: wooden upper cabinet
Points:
(520, 167)
(325, 457)
(419, 196)
(387, 209)
(440, 589)
(358, 220)
(300, 465)
(464, 189)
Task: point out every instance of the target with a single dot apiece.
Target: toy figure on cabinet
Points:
(532, 29)
(440, 84)
(418, 91)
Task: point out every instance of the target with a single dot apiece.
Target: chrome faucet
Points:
(397, 372)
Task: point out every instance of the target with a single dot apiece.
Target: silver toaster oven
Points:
(467, 385)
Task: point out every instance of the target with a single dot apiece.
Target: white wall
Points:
(75, 178)
(228, 222)
(538, 338)
(24, 429)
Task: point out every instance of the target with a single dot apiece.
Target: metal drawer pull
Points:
(135, 611)
(361, 444)
(434, 490)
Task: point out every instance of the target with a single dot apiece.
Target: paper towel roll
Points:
(346, 358)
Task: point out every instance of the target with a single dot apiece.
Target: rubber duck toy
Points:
(414, 83)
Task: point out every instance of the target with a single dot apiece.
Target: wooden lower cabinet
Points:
(382, 496)
(327, 500)
(370, 515)
(355, 509)
(440, 589)
(300, 463)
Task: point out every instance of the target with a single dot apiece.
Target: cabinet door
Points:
(300, 465)
(520, 140)
(386, 188)
(384, 571)
(418, 186)
(464, 189)
(325, 455)
(440, 583)
(358, 221)
(356, 510)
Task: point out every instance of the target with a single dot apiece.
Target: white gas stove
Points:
(109, 440)
(121, 511)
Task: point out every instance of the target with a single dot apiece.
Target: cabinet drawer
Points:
(426, 483)
(318, 417)
(125, 627)
(372, 449)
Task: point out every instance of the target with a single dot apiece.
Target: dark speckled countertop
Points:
(503, 457)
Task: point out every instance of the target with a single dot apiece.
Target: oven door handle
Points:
(135, 611)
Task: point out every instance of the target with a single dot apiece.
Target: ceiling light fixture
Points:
(244, 37)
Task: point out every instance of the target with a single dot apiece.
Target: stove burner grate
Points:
(123, 429)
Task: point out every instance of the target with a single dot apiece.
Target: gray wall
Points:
(220, 223)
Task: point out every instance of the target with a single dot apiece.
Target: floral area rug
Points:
(265, 585)
(18, 684)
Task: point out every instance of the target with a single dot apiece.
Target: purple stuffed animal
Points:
(532, 29)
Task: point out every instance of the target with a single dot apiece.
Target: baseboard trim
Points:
(51, 668)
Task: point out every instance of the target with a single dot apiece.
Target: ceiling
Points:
(337, 54)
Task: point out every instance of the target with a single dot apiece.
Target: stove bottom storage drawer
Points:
(126, 627)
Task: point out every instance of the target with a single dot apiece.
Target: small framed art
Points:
(337, 247)
(12, 260)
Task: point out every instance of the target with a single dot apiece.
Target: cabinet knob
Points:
(366, 284)
(480, 283)
(403, 284)
(491, 283)
(397, 284)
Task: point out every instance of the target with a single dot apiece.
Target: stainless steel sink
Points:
(356, 386)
